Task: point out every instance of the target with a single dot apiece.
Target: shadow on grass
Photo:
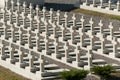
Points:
(113, 77)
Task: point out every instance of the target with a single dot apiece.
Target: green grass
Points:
(117, 74)
(94, 13)
(6, 74)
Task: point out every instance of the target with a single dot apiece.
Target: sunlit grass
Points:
(6, 74)
(94, 13)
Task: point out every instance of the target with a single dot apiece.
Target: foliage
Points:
(74, 74)
(103, 71)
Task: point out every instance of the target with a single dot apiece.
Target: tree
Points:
(74, 74)
(103, 71)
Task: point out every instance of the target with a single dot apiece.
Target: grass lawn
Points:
(94, 13)
(6, 74)
(117, 74)
(114, 76)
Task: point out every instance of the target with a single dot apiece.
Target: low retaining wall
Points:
(99, 9)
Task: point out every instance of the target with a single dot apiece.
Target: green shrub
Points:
(103, 71)
(74, 74)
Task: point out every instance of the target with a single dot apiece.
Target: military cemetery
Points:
(39, 43)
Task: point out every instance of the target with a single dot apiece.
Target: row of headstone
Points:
(63, 35)
(8, 2)
(109, 7)
(27, 34)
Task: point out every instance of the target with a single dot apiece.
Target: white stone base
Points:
(99, 9)
(19, 71)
